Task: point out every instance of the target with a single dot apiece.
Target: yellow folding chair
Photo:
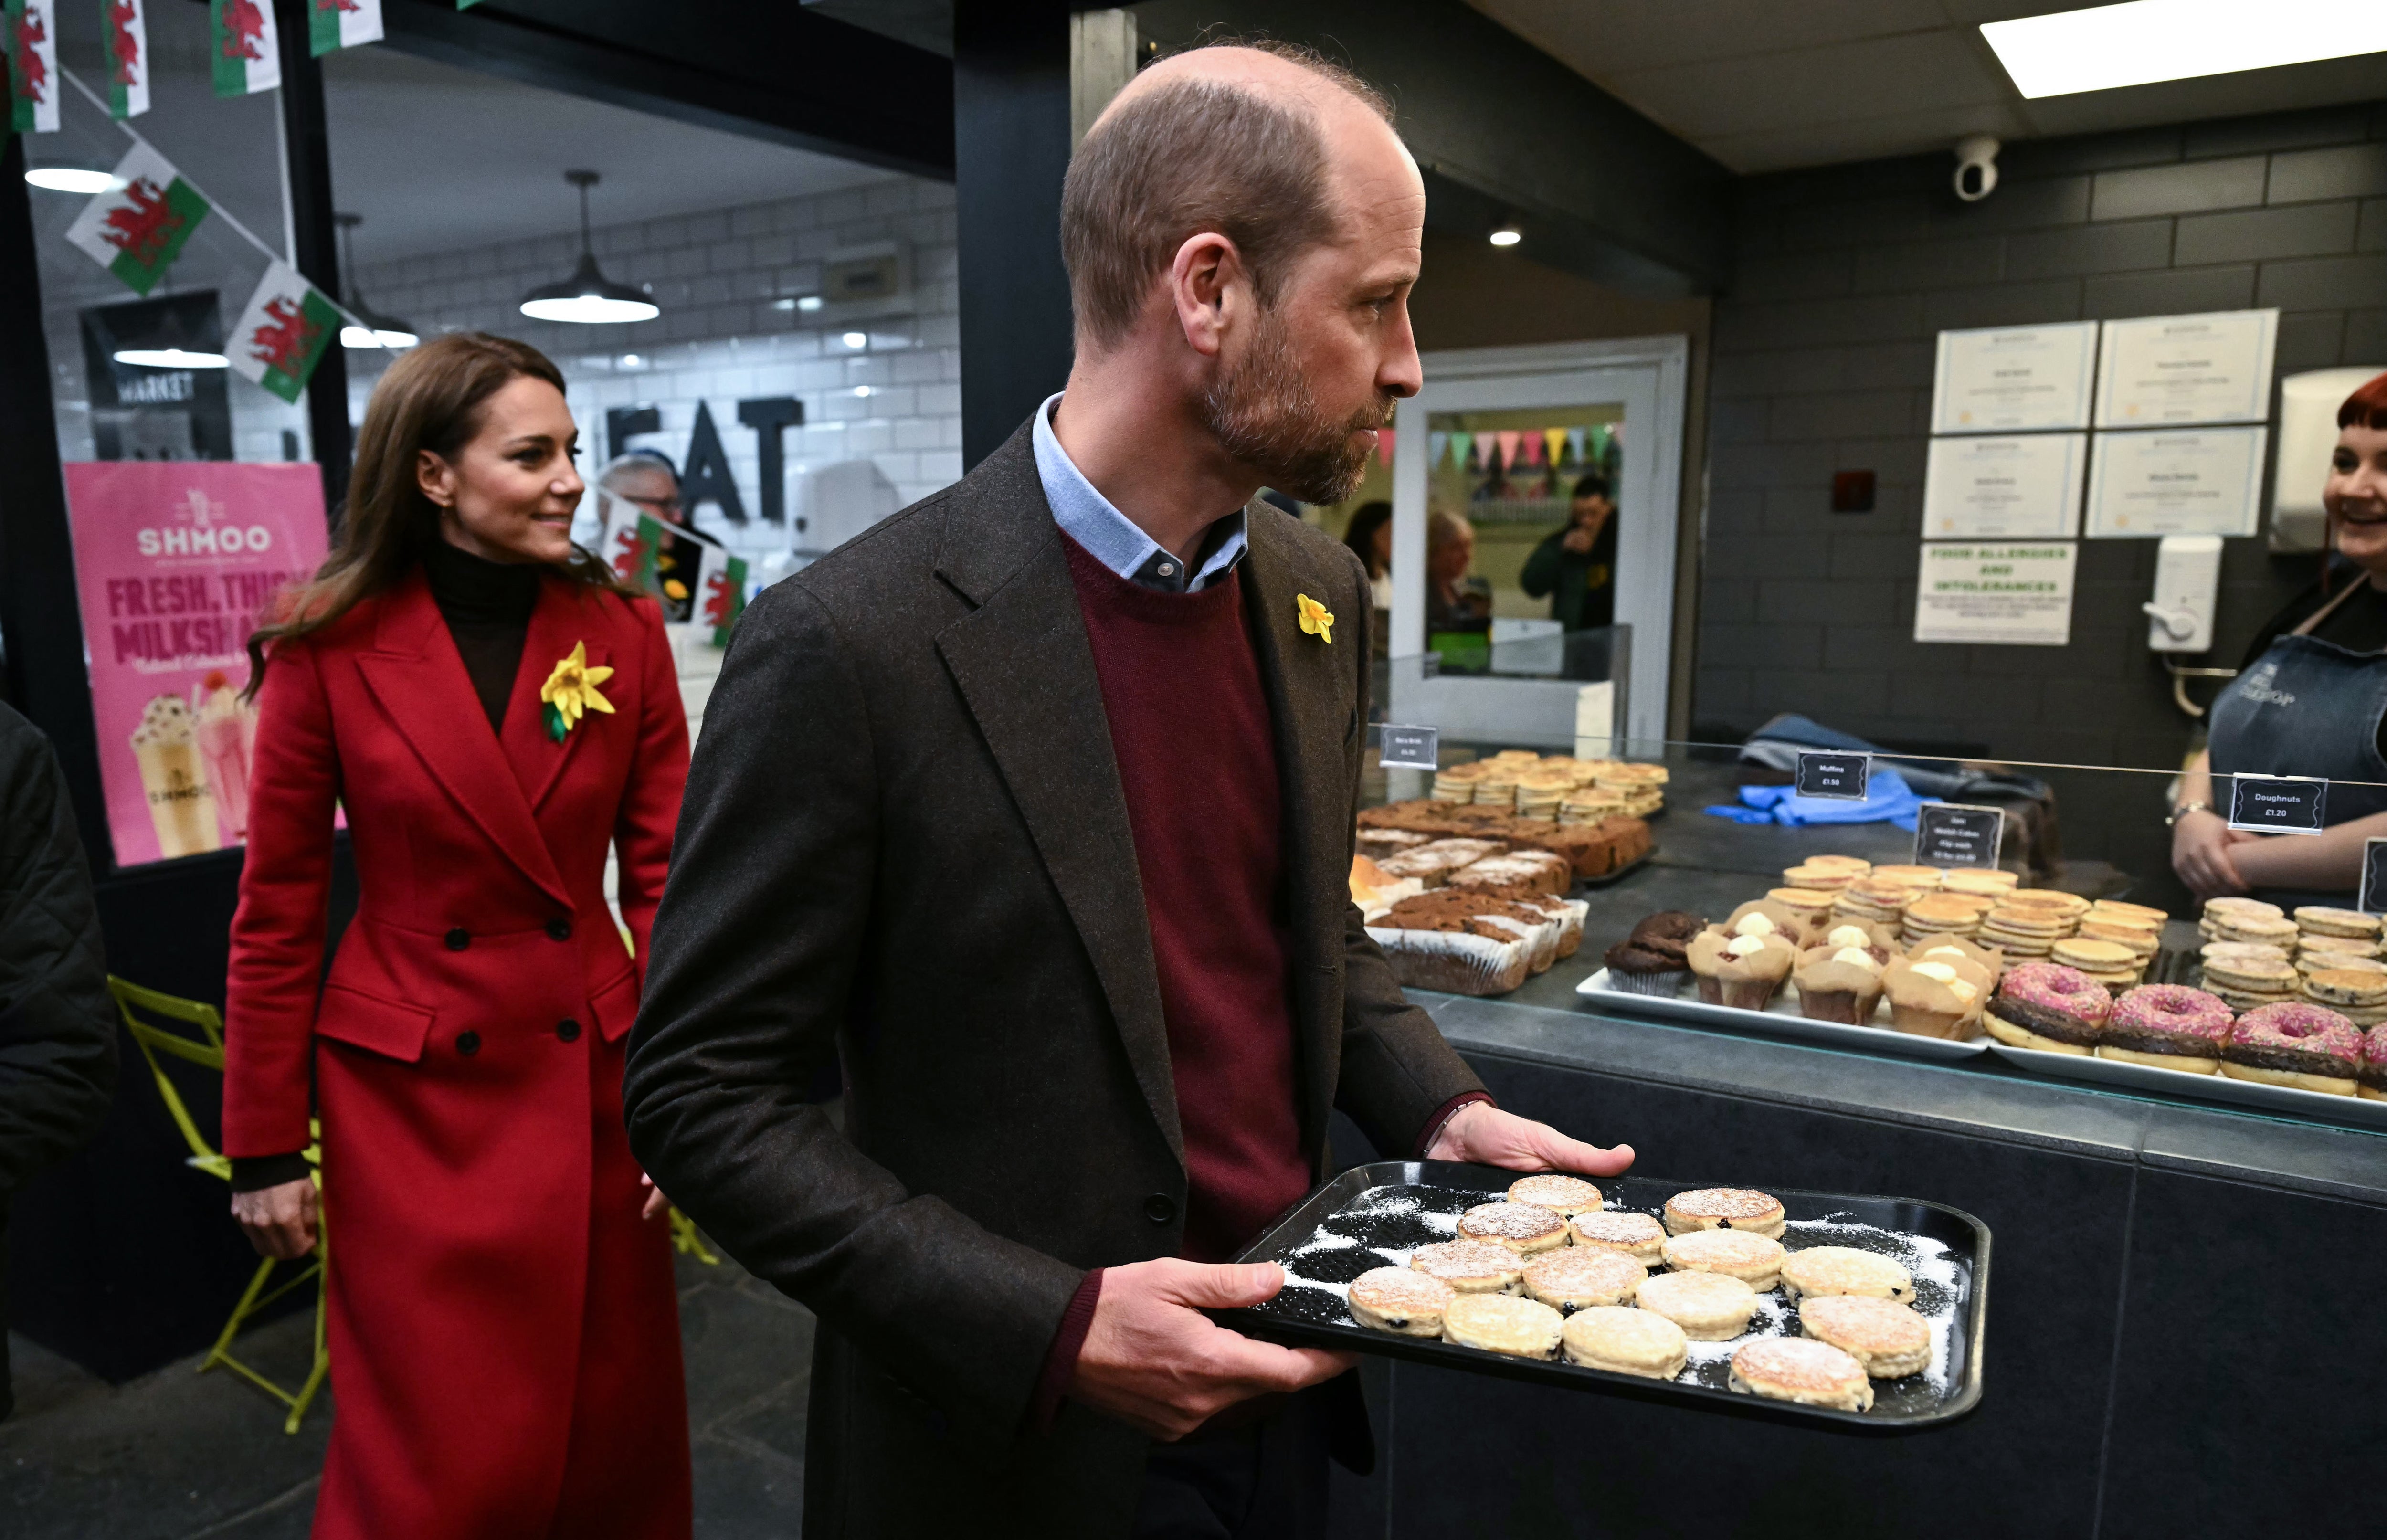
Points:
(206, 1051)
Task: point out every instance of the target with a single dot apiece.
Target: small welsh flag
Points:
(333, 25)
(137, 229)
(125, 38)
(632, 544)
(246, 48)
(720, 593)
(33, 39)
(281, 338)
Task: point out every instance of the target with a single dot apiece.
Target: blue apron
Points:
(2307, 707)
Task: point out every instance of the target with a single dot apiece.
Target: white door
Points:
(1635, 390)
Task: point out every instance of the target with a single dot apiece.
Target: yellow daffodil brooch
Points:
(1315, 619)
(571, 692)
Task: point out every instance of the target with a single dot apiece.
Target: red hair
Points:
(2367, 407)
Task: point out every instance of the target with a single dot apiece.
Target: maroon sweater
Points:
(1197, 753)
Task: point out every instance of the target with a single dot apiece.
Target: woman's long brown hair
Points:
(431, 399)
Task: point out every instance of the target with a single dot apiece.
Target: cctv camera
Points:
(1976, 167)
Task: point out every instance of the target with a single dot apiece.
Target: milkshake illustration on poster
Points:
(175, 562)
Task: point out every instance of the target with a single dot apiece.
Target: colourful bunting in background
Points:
(125, 35)
(1506, 438)
(246, 48)
(1554, 443)
(720, 593)
(1533, 448)
(1385, 444)
(333, 25)
(281, 335)
(32, 65)
(1578, 445)
(1435, 444)
(137, 228)
(1461, 444)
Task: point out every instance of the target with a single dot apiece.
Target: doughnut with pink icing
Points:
(2372, 1078)
(2169, 1025)
(2294, 1044)
(2051, 1007)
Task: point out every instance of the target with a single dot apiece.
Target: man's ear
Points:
(1210, 290)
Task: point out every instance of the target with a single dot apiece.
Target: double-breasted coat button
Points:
(458, 938)
(468, 1044)
(1160, 1209)
(559, 929)
(568, 1030)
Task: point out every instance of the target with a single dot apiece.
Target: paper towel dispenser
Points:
(2309, 404)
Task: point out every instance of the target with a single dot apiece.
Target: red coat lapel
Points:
(420, 681)
(564, 615)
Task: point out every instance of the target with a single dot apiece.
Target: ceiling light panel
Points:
(2107, 47)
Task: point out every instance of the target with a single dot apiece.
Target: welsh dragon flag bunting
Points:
(125, 33)
(32, 65)
(246, 48)
(333, 25)
(137, 229)
(720, 593)
(281, 338)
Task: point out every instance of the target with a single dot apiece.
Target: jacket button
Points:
(559, 929)
(1160, 1209)
(468, 1044)
(568, 1030)
(458, 938)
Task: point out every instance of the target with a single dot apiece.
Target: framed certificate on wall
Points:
(2013, 379)
(2023, 486)
(2197, 481)
(2161, 370)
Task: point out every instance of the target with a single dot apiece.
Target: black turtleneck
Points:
(487, 605)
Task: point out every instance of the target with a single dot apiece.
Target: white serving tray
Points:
(1782, 1019)
(2126, 1076)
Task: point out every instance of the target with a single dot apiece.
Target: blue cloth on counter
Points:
(1888, 798)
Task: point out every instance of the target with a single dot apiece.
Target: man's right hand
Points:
(1578, 539)
(1152, 1359)
(280, 1221)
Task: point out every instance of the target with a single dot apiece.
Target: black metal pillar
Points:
(318, 254)
(1011, 148)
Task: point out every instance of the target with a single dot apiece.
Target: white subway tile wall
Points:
(721, 339)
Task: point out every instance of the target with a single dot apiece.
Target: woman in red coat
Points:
(492, 712)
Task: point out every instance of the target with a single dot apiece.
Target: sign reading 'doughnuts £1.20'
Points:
(2017, 595)
(2278, 804)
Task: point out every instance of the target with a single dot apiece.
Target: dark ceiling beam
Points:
(1506, 132)
(775, 71)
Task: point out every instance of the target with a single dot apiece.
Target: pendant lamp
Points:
(370, 328)
(588, 297)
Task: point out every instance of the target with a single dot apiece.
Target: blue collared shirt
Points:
(1111, 538)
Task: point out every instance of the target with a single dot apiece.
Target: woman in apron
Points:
(2311, 700)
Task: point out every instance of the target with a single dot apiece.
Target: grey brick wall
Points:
(1823, 361)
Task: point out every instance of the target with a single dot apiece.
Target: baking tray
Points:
(2358, 1111)
(1780, 1019)
(1333, 1236)
(1610, 879)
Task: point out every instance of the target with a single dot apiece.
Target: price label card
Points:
(2374, 876)
(2278, 804)
(1409, 747)
(1950, 834)
(1826, 775)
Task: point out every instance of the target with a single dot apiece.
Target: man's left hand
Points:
(1482, 1134)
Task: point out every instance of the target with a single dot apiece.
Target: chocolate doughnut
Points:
(2169, 1026)
(2303, 1046)
(2372, 1076)
(2051, 1007)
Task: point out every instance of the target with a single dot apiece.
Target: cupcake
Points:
(1948, 948)
(1878, 940)
(1935, 999)
(1651, 961)
(1743, 971)
(1840, 984)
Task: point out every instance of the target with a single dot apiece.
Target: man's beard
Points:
(1262, 412)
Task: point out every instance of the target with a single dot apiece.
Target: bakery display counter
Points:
(2163, 1270)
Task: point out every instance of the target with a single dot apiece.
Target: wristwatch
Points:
(2183, 810)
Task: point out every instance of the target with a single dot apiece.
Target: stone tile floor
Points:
(178, 1455)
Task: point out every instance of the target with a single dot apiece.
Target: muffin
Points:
(1744, 972)
(1935, 999)
(1842, 984)
(1651, 960)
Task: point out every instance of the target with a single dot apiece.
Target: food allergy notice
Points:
(2017, 595)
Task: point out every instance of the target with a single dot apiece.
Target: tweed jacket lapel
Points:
(419, 679)
(1314, 705)
(1024, 666)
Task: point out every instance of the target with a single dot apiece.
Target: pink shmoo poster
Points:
(175, 559)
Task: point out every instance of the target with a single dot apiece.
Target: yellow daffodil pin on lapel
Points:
(1316, 620)
(571, 692)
